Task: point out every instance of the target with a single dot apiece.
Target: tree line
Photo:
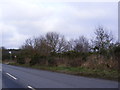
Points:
(53, 49)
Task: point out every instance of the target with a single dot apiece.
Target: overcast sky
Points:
(21, 19)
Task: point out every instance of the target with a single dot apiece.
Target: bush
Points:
(52, 61)
(20, 60)
(34, 59)
(84, 56)
(71, 54)
(38, 59)
(75, 62)
(117, 52)
(42, 60)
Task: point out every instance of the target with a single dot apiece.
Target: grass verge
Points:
(80, 71)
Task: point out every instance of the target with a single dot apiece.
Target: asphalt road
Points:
(19, 77)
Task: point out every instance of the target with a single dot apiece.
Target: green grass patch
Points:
(80, 71)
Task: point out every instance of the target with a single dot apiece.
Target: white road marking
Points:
(31, 87)
(11, 76)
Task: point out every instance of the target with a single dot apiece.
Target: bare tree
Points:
(103, 39)
(62, 45)
(52, 40)
(56, 41)
(28, 44)
(25, 51)
(82, 44)
(71, 44)
(41, 46)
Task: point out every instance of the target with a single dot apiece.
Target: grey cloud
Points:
(70, 19)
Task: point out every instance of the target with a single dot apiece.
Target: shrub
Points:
(75, 62)
(20, 60)
(117, 52)
(42, 60)
(34, 59)
(52, 61)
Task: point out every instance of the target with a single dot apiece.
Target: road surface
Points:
(19, 77)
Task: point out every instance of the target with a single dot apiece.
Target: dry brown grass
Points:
(100, 62)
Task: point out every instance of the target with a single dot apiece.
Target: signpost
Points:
(10, 55)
